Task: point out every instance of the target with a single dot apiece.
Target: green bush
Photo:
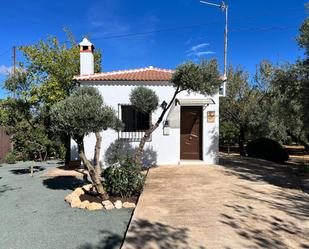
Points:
(267, 149)
(10, 158)
(124, 179)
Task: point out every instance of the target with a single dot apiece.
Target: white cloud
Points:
(198, 46)
(4, 70)
(201, 53)
(198, 50)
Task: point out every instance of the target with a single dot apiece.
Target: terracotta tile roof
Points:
(139, 74)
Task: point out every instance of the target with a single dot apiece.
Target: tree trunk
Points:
(138, 153)
(67, 143)
(95, 178)
(97, 150)
(299, 140)
(241, 142)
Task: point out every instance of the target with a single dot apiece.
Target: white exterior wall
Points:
(166, 146)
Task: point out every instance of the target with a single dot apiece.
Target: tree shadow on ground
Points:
(4, 188)
(63, 182)
(253, 169)
(259, 230)
(145, 234)
(27, 170)
(266, 216)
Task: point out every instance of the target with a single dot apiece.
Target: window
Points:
(134, 120)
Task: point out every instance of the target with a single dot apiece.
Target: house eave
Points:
(124, 83)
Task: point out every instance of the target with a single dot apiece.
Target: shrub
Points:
(10, 158)
(124, 179)
(267, 149)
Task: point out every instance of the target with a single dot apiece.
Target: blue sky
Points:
(179, 30)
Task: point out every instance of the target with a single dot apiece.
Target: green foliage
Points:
(27, 131)
(45, 78)
(240, 110)
(144, 99)
(10, 158)
(124, 180)
(52, 66)
(201, 78)
(267, 149)
(229, 133)
(82, 113)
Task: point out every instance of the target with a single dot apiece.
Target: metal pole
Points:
(14, 59)
(225, 41)
(224, 7)
(225, 50)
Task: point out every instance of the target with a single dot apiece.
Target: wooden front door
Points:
(191, 132)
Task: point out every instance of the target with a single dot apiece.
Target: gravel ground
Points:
(34, 215)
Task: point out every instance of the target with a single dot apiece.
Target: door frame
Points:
(201, 142)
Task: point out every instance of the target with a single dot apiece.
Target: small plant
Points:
(124, 180)
(10, 158)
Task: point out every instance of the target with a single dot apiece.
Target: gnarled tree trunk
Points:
(95, 177)
(138, 153)
(97, 150)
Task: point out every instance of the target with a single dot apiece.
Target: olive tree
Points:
(80, 114)
(203, 78)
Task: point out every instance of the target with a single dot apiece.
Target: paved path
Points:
(244, 203)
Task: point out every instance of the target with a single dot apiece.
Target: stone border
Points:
(74, 200)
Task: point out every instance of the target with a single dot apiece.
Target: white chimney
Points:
(86, 57)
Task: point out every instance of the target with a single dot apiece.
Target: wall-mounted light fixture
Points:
(166, 128)
(163, 105)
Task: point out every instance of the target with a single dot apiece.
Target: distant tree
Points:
(80, 114)
(50, 65)
(201, 78)
(242, 106)
(303, 76)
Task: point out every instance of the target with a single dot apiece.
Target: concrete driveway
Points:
(243, 203)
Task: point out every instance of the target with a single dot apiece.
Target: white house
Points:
(189, 132)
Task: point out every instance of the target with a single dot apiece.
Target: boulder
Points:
(79, 191)
(75, 202)
(108, 205)
(69, 197)
(83, 204)
(94, 206)
(128, 205)
(118, 204)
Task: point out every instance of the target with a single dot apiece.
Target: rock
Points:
(128, 205)
(118, 204)
(108, 205)
(87, 187)
(79, 191)
(94, 206)
(83, 204)
(75, 202)
(69, 197)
